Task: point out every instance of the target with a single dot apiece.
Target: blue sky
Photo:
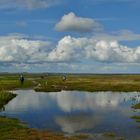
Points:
(86, 36)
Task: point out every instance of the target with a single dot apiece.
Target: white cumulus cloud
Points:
(112, 51)
(14, 49)
(71, 22)
(69, 49)
(109, 51)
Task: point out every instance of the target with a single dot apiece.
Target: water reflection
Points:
(26, 100)
(69, 101)
(78, 122)
(73, 111)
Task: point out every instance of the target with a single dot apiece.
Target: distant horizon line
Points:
(69, 73)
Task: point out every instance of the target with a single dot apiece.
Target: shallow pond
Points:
(73, 111)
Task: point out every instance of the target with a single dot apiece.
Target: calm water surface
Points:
(73, 111)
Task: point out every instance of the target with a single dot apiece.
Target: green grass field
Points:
(91, 83)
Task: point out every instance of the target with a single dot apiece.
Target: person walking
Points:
(22, 79)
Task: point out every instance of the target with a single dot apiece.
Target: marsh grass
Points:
(5, 97)
(136, 106)
(14, 84)
(137, 119)
(82, 136)
(53, 83)
(120, 83)
(13, 129)
(109, 134)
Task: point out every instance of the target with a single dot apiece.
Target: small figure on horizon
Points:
(64, 78)
(22, 79)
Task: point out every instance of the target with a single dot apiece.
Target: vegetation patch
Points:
(5, 97)
(12, 82)
(137, 119)
(109, 134)
(82, 136)
(13, 129)
(55, 82)
(91, 83)
(136, 106)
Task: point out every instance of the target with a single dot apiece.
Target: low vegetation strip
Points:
(13, 129)
(12, 84)
(136, 118)
(5, 97)
(120, 83)
(52, 83)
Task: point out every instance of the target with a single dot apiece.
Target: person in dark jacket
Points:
(22, 79)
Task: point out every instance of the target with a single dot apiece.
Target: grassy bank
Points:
(12, 82)
(123, 83)
(12, 129)
(51, 83)
(5, 97)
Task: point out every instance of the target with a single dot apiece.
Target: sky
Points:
(74, 36)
